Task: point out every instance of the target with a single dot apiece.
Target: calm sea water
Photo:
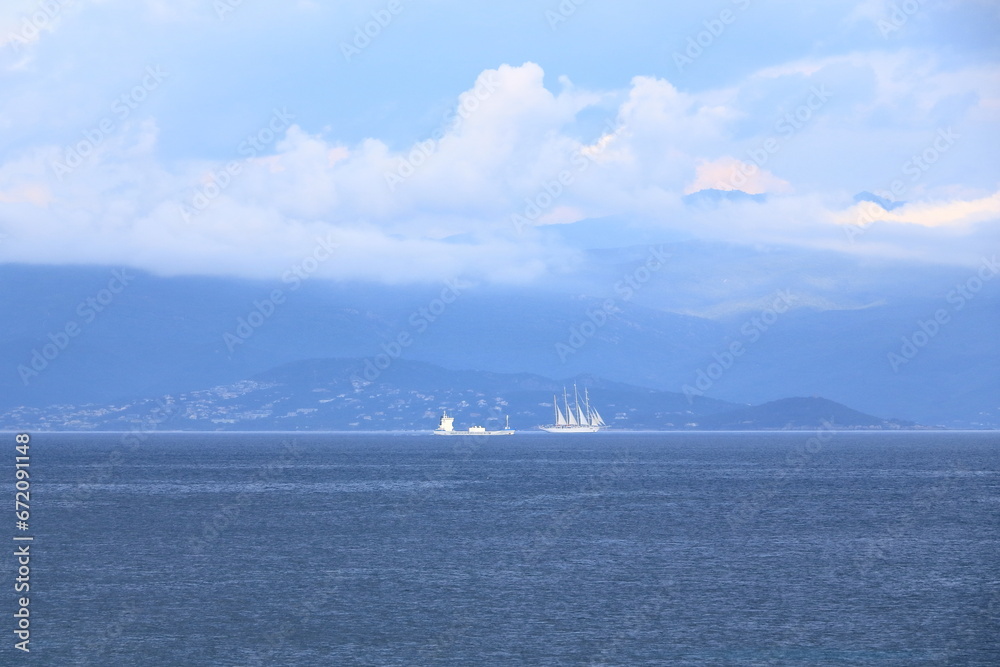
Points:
(611, 549)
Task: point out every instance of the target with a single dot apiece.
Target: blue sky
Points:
(226, 137)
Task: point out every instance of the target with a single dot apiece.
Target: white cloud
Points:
(728, 173)
(512, 144)
(934, 213)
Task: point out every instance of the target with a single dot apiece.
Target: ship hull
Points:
(505, 432)
(571, 429)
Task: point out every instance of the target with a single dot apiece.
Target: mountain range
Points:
(737, 324)
(352, 394)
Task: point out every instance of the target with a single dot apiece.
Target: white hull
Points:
(571, 429)
(504, 432)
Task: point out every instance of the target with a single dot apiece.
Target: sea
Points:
(776, 548)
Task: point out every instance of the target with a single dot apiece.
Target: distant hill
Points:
(797, 413)
(354, 394)
(886, 204)
(712, 196)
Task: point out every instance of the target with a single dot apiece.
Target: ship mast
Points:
(584, 421)
(570, 415)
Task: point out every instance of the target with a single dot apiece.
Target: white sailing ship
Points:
(576, 418)
(446, 427)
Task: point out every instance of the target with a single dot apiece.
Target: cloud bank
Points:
(511, 155)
